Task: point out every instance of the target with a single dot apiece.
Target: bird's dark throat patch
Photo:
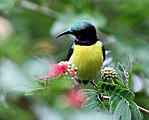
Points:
(84, 42)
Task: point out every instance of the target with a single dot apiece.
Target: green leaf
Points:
(119, 109)
(90, 92)
(125, 73)
(135, 110)
(126, 93)
(63, 82)
(130, 78)
(90, 104)
(6, 5)
(114, 103)
(126, 113)
(32, 91)
(113, 95)
(129, 69)
(93, 103)
(28, 90)
(116, 88)
(22, 89)
(120, 82)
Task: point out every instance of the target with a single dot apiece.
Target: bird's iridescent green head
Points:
(84, 32)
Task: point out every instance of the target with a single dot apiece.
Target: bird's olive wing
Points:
(103, 50)
(70, 51)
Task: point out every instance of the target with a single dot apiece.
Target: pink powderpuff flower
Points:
(63, 65)
(75, 97)
(57, 70)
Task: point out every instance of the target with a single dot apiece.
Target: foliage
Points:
(120, 104)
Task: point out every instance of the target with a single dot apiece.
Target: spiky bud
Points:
(108, 74)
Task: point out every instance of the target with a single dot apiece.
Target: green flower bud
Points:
(108, 74)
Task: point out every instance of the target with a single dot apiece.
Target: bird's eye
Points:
(80, 36)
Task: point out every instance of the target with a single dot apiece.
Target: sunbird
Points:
(87, 52)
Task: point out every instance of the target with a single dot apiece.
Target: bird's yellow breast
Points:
(88, 60)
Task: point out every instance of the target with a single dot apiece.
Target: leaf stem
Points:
(140, 108)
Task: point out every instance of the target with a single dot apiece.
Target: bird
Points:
(87, 52)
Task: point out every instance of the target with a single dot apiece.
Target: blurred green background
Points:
(30, 27)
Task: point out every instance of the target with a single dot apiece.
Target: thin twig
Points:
(106, 97)
(143, 110)
(36, 8)
(140, 108)
(45, 88)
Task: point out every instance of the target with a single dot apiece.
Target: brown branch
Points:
(140, 108)
(36, 8)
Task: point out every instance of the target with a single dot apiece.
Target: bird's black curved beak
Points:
(64, 33)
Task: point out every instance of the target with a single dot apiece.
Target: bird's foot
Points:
(100, 96)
